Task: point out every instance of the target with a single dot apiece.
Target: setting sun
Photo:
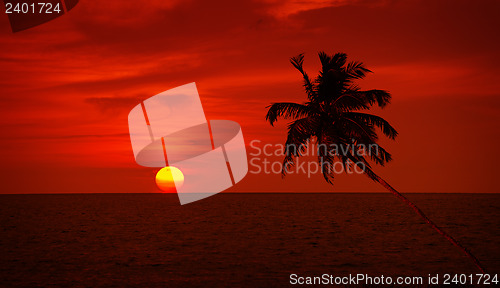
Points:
(169, 178)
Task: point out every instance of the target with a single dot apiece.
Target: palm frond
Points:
(328, 174)
(359, 131)
(356, 70)
(381, 97)
(325, 60)
(298, 62)
(288, 162)
(347, 102)
(287, 110)
(381, 156)
(326, 158)
(339, 60)
(367, 169)
(300, 133)
(377, 121)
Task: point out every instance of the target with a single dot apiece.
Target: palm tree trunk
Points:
(432, 224)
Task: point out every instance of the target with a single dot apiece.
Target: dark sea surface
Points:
(237, 240)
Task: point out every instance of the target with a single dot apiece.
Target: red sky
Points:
(66, 87)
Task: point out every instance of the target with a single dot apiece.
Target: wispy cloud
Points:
(285, 8)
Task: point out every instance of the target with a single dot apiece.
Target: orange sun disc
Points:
(169, 178)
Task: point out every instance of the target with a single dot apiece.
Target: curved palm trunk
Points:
(432, 224)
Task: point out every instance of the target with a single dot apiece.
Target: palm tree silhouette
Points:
(331, 118)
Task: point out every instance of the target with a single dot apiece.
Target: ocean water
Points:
(237, 240)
